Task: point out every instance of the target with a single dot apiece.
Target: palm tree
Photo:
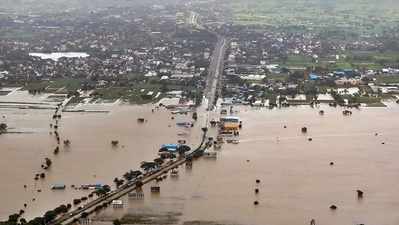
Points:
(67, 142)
(116, 222)
(182, 149)
(159, 161)
(3, 128)
(195, 116)
(48, 162)
(103, 190)
(146, 166)
(56, 150)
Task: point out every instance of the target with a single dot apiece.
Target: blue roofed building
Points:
(171, 147)
(314, 76)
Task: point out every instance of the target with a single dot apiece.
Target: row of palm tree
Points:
(3, 128)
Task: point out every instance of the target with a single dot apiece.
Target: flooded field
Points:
(90, 159)
(297, 182)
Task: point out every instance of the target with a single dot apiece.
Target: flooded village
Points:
(172, 114)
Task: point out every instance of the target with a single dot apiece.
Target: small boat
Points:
(184, 124)
(58, 187)
(140, 120)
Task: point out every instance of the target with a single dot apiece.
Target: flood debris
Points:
(313, 222)
(359, 194)
(67, 142)
(56, 150)
(114, 143)
(304, 129)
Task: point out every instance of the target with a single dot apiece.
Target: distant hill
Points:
(61, 5)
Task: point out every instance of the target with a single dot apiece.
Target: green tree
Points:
(116, 222)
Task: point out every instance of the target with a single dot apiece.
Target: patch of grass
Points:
(69, 84)
(368, 100)
(155, 219)
(36, 85)
(297, 61)
(376, 104)
(387, 79)
(112, 93)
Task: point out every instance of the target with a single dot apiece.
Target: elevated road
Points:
(215, 72)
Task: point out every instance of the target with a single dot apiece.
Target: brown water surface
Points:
(297, 182)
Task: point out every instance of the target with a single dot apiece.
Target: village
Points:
(144, 55)
(137, 56)
(265, 68)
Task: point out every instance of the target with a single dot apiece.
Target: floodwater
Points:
(90, 159)
(57, 55)
(297, 181)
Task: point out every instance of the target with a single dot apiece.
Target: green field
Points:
(353, 60)
(387, 79)
(62, 85)
(356, 15)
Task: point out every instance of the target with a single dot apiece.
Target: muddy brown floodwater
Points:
(90, 159)
(297, 182)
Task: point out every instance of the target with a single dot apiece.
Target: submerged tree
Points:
(3, 127)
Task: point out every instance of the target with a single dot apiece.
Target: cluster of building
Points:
(120, 46)
(263, 65)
